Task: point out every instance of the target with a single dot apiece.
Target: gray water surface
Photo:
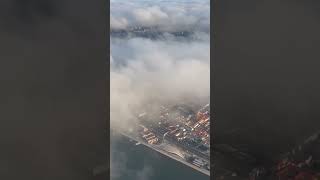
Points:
(137, 162)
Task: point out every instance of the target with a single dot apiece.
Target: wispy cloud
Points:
(161, 71)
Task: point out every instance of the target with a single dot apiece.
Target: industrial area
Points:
(184, 135)
(178, 132)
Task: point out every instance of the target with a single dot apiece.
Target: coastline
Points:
(168, 154)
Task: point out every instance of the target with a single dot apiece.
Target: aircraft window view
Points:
(160, 89)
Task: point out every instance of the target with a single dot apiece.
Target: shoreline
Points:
(168, 154)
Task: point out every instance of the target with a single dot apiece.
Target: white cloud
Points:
(166, 15)
(150, 16)
(118, 23)
(167, 70)
(158, 71)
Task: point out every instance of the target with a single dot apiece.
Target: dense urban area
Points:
(179, 132)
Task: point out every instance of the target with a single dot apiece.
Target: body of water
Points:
(138, 162)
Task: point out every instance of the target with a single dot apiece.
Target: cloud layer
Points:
(146, 72)
(143, 70)
(165, 15)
